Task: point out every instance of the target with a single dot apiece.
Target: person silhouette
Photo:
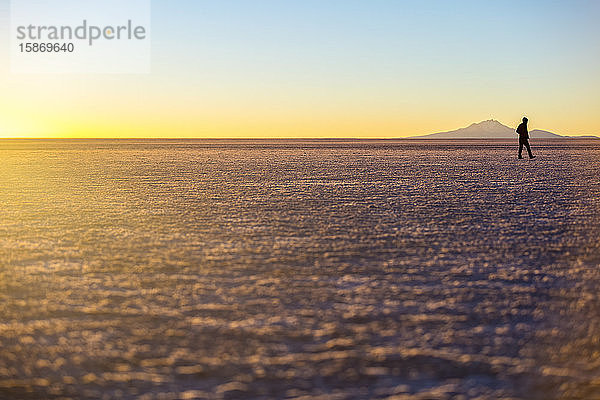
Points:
(524, 138)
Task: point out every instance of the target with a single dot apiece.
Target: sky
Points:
(328, 68)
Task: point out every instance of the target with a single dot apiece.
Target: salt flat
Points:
(282, 269)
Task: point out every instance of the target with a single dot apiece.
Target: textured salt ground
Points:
(196, 269)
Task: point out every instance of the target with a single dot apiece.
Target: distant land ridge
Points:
(492, 129)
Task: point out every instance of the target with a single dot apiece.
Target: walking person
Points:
(524, 138)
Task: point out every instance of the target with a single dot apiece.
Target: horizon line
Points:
(416, 137)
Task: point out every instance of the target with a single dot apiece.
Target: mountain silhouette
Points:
(490, 129)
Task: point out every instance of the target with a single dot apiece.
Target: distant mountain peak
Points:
(488, 125)
(488, 129)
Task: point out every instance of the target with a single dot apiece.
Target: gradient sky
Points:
(328, 68)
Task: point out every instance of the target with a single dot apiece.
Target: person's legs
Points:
(528, 148)
(520, 148)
